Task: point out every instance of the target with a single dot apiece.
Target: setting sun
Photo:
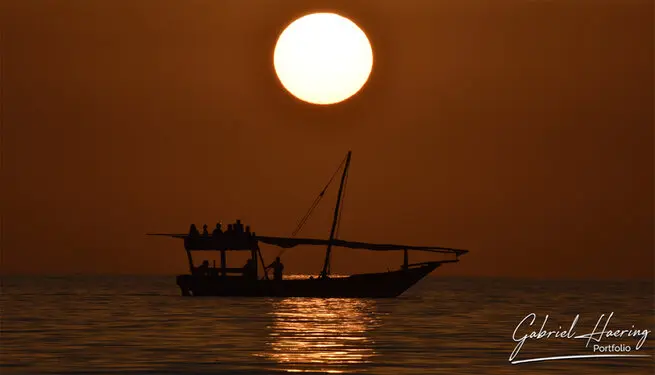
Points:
(323, 58)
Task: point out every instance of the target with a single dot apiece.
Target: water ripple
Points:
(76, 325)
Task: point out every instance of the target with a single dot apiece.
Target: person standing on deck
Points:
(278, 267)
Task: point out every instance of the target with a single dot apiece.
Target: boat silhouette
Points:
(206, 280)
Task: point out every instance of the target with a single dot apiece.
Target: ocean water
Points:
(141, 325)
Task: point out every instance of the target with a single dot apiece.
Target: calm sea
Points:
(140, 325)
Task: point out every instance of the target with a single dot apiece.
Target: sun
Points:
(323, 58)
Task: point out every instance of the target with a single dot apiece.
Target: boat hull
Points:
(373, 285)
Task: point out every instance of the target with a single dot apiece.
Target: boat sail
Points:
(206, 280)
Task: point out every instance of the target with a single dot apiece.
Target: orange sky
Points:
(521, 130)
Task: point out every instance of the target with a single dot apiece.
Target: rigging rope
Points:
(314, 204)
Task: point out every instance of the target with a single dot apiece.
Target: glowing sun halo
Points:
(323, 58)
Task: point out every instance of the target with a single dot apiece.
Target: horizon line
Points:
(536, 278)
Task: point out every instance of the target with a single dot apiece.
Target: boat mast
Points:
(326, 265)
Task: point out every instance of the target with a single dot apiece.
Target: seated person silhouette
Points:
(218, 231)
(203, 269)
(205, 233)
(193, 231)
(236, 235)
(250, 269)
(228, 237)
(248, 238)
(217, 235)
(252, 241)
(278, 267)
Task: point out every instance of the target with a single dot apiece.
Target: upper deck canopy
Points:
(286, 242)
(251, 243)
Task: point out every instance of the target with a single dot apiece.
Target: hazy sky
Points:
(521, 130)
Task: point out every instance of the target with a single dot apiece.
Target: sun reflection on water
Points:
(327, 335)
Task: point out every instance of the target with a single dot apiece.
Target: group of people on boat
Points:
(234, 237)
